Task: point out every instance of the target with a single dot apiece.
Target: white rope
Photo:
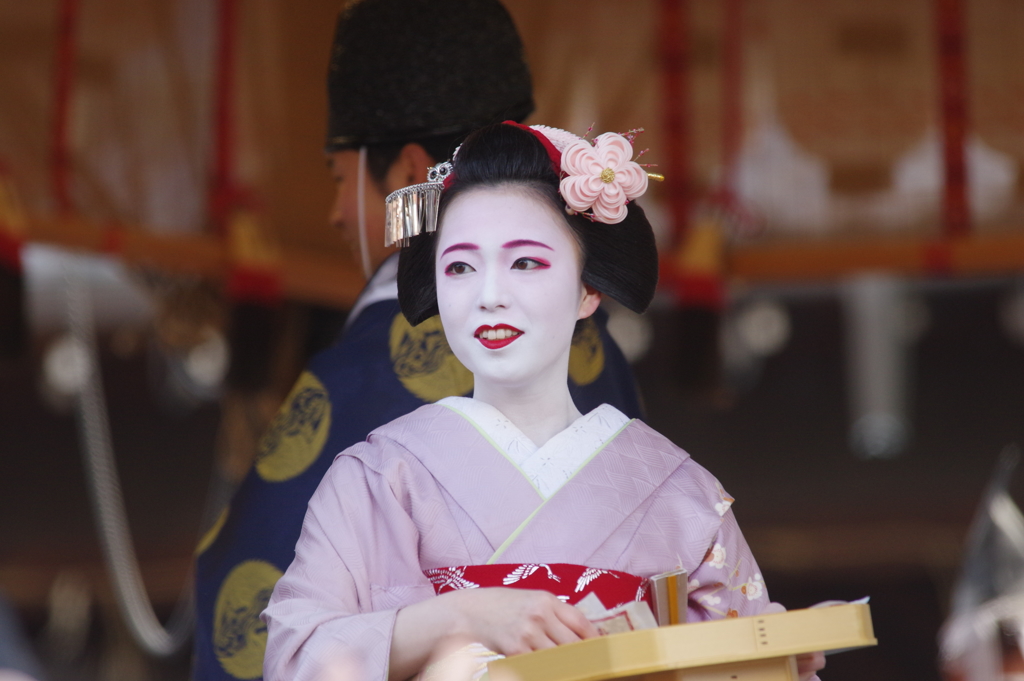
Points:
(105, 489)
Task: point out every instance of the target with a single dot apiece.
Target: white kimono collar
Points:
(551, 465)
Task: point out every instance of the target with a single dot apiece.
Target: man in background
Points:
(408, 79)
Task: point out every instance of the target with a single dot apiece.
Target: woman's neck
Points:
(540, 411)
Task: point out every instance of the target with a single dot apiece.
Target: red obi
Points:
(570, 583)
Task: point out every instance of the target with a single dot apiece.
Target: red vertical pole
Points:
(222, 189)
(63, 82)
(732, 90)
(953, 98)
(674, 42)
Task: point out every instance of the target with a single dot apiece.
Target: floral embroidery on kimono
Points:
(717, 558)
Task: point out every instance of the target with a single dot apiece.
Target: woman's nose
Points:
(494, 293)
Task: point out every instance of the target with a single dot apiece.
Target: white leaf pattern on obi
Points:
(641, 591)
(524, 571)
(450, 577)
(589, 575)
(564, 599)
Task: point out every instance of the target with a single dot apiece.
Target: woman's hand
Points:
(515, 621)
(809, 664)
(507, 621)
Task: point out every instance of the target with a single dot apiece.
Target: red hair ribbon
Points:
(554, 154)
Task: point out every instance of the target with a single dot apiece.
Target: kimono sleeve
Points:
(727, 583)
(356, 563)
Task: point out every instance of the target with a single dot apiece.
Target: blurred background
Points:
(839, 334)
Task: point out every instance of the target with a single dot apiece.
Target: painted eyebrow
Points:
(526, 242)
(461, 247)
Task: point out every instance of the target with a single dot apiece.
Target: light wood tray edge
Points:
(841, 627)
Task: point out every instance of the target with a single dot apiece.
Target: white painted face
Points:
(508, 287)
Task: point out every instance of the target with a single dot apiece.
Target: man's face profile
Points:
(344, 215)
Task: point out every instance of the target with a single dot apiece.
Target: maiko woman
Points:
(483, 519)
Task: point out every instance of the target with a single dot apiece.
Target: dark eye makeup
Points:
(458, 268)
(530, 264)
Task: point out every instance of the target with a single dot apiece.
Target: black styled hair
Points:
(620, 260)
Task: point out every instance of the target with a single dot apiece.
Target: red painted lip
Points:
(495, 344)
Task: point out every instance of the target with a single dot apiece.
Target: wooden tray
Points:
(739, 649)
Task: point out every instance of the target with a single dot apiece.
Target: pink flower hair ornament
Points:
(601, 178)
(598, 178)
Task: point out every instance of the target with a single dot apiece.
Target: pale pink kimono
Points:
(429, 490)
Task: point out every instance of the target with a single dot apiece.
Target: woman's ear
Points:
(410, 167)
(591, 299)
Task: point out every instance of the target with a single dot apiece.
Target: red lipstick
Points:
(494, 337)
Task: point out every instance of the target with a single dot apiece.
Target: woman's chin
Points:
(502, 381)
(515, 368)
(493, 379)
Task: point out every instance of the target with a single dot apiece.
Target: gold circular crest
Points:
(586, 356)
(424, 362)
(297, 433)
(239, 636)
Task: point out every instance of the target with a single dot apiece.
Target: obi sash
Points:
(570, 583)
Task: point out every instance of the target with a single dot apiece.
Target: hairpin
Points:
(412, 210)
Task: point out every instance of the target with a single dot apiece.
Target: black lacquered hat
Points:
(403, 70)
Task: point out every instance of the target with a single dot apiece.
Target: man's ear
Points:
(591, 300)
(410, 167)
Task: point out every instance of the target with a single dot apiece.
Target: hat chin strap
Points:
(364, 246)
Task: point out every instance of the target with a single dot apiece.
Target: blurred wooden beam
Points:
(974, 255)
(306, 275)
(329, 279)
